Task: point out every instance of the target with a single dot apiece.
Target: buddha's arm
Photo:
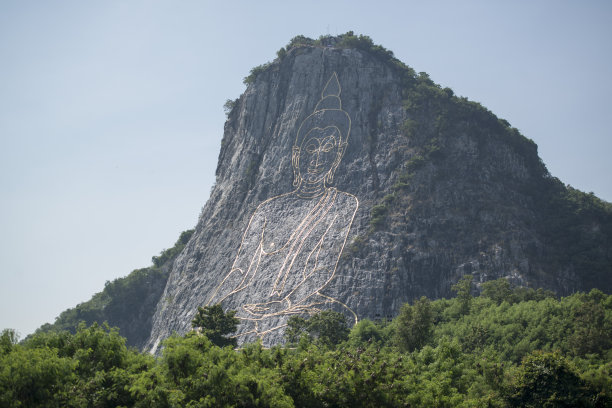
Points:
(246, 261)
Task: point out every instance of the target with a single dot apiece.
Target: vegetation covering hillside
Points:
(507, 347)
(127, 303)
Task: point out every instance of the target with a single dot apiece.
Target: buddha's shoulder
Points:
(275, 202)
(290, 199)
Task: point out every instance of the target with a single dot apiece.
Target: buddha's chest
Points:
(292, 231)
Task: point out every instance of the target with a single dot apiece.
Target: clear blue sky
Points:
(111, 112)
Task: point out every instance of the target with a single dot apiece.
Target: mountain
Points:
(348, 181)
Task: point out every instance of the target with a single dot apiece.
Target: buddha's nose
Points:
(314, 159)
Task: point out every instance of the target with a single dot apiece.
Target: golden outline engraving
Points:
(277, 275)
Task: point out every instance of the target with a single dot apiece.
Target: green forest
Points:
(507, 347)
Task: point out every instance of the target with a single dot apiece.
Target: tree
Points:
(464, 293)
(228, 106)
(8, 339)
(548, 380)
(328, 328)
(592, 332)
(414, 325)
(497, 290)
(216, 325)
(35, 378)
(90, 368)
(297, 327)
(366, 331)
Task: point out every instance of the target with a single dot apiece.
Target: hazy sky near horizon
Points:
(111, 113)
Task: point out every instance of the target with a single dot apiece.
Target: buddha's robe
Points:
(288, 254)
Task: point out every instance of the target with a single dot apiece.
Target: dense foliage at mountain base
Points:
(506, 348)
(127, 303)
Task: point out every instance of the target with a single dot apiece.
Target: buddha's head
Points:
(321, 139)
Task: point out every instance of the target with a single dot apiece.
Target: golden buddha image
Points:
(292, 244)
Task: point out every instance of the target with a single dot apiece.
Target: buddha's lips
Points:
(315, 170)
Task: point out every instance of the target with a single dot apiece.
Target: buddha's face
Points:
(319, 153)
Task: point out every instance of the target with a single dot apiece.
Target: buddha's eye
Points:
(327, 147)
(312, 146)
(328, 144)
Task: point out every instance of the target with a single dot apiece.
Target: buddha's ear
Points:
(341, 150)
(329, 179)
(295, 157)
(295, 163)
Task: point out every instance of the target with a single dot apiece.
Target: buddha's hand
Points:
(302, 309)
(266, 309)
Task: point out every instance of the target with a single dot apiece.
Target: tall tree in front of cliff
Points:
(414, 325)
(463, 288)
(215, 324)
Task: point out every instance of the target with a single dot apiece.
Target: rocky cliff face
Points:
(347, 181)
